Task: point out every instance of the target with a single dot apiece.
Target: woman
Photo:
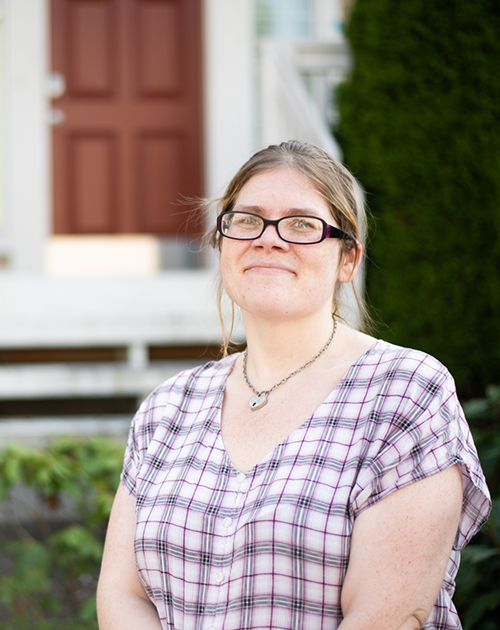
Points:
(321, 479)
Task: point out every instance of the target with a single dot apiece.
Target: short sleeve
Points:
(163, 400)
(130, 463)
(428, 434)
(175, 402)
(139, 436)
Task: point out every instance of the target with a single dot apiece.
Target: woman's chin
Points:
(273, 308)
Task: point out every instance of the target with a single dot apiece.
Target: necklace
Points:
(260, 399)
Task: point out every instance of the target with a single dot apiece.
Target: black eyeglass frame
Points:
(329, 231)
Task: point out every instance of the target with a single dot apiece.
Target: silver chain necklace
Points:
(260, 399)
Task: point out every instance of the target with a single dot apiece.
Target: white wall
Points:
(27, 135)
(229, 91)
(3, 126)
(328, 20)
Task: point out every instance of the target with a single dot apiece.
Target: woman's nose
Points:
(270, 237)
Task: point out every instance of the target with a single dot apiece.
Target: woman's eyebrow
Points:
(289, 212)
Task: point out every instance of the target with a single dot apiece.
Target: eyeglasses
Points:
(299, 229)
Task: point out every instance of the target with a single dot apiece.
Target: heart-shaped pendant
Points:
(256, 402)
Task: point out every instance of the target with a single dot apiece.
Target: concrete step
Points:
(64, 380)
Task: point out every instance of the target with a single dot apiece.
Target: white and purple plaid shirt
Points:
(219, 549)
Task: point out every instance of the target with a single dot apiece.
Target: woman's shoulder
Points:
(195, 383)
(384, 353)
(390, 363)
(197, 380)
(190, 390)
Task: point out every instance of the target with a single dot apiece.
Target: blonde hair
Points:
(331, 179)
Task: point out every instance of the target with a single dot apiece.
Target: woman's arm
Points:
(399, 553)
(122, 603)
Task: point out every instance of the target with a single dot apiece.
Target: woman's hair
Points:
(331, 180)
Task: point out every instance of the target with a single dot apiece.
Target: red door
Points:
(129, 148)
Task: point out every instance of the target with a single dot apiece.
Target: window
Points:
(287, 19)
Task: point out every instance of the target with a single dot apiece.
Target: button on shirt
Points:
(219, 549)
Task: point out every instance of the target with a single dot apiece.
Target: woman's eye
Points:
(247, 221)
(303, 224)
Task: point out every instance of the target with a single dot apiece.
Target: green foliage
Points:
(420, 127)
(54, 570)
(478, 584)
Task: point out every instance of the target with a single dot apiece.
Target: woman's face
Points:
(270, 278)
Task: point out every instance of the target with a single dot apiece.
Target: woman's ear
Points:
(349, 262)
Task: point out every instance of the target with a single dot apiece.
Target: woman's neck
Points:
(277, 348)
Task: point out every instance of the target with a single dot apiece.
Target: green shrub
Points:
(54, 566)
(420, 127)
(478, 584)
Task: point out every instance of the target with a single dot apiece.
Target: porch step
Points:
(66, 380)
(132, 319)
(20, 384)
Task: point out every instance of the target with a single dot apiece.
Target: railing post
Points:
(137, 355)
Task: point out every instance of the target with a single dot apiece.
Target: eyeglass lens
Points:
(298, 229)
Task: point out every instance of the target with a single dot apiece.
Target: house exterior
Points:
(114, 116)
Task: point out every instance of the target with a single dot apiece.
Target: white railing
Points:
(297, 83)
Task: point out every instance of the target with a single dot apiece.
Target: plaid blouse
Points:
(218, 549)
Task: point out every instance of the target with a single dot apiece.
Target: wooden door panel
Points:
(90, 46)
(130, 148)
(159, 58)
(160, 175)
(92, 178)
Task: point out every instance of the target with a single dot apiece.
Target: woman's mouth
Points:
(269, 268)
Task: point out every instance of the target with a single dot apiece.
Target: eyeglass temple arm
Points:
(333, 232)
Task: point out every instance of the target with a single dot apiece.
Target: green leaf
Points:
(12, 470)
(481, 604)
(52, 573)
(88, 609)
(476, 554)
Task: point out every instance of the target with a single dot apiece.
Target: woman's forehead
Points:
(285, 189)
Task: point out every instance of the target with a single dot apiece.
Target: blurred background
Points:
(115, 117)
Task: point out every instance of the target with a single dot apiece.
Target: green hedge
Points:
(478, 582)
(420, 127)
(49, 567)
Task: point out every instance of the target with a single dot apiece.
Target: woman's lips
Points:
(269, 268)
